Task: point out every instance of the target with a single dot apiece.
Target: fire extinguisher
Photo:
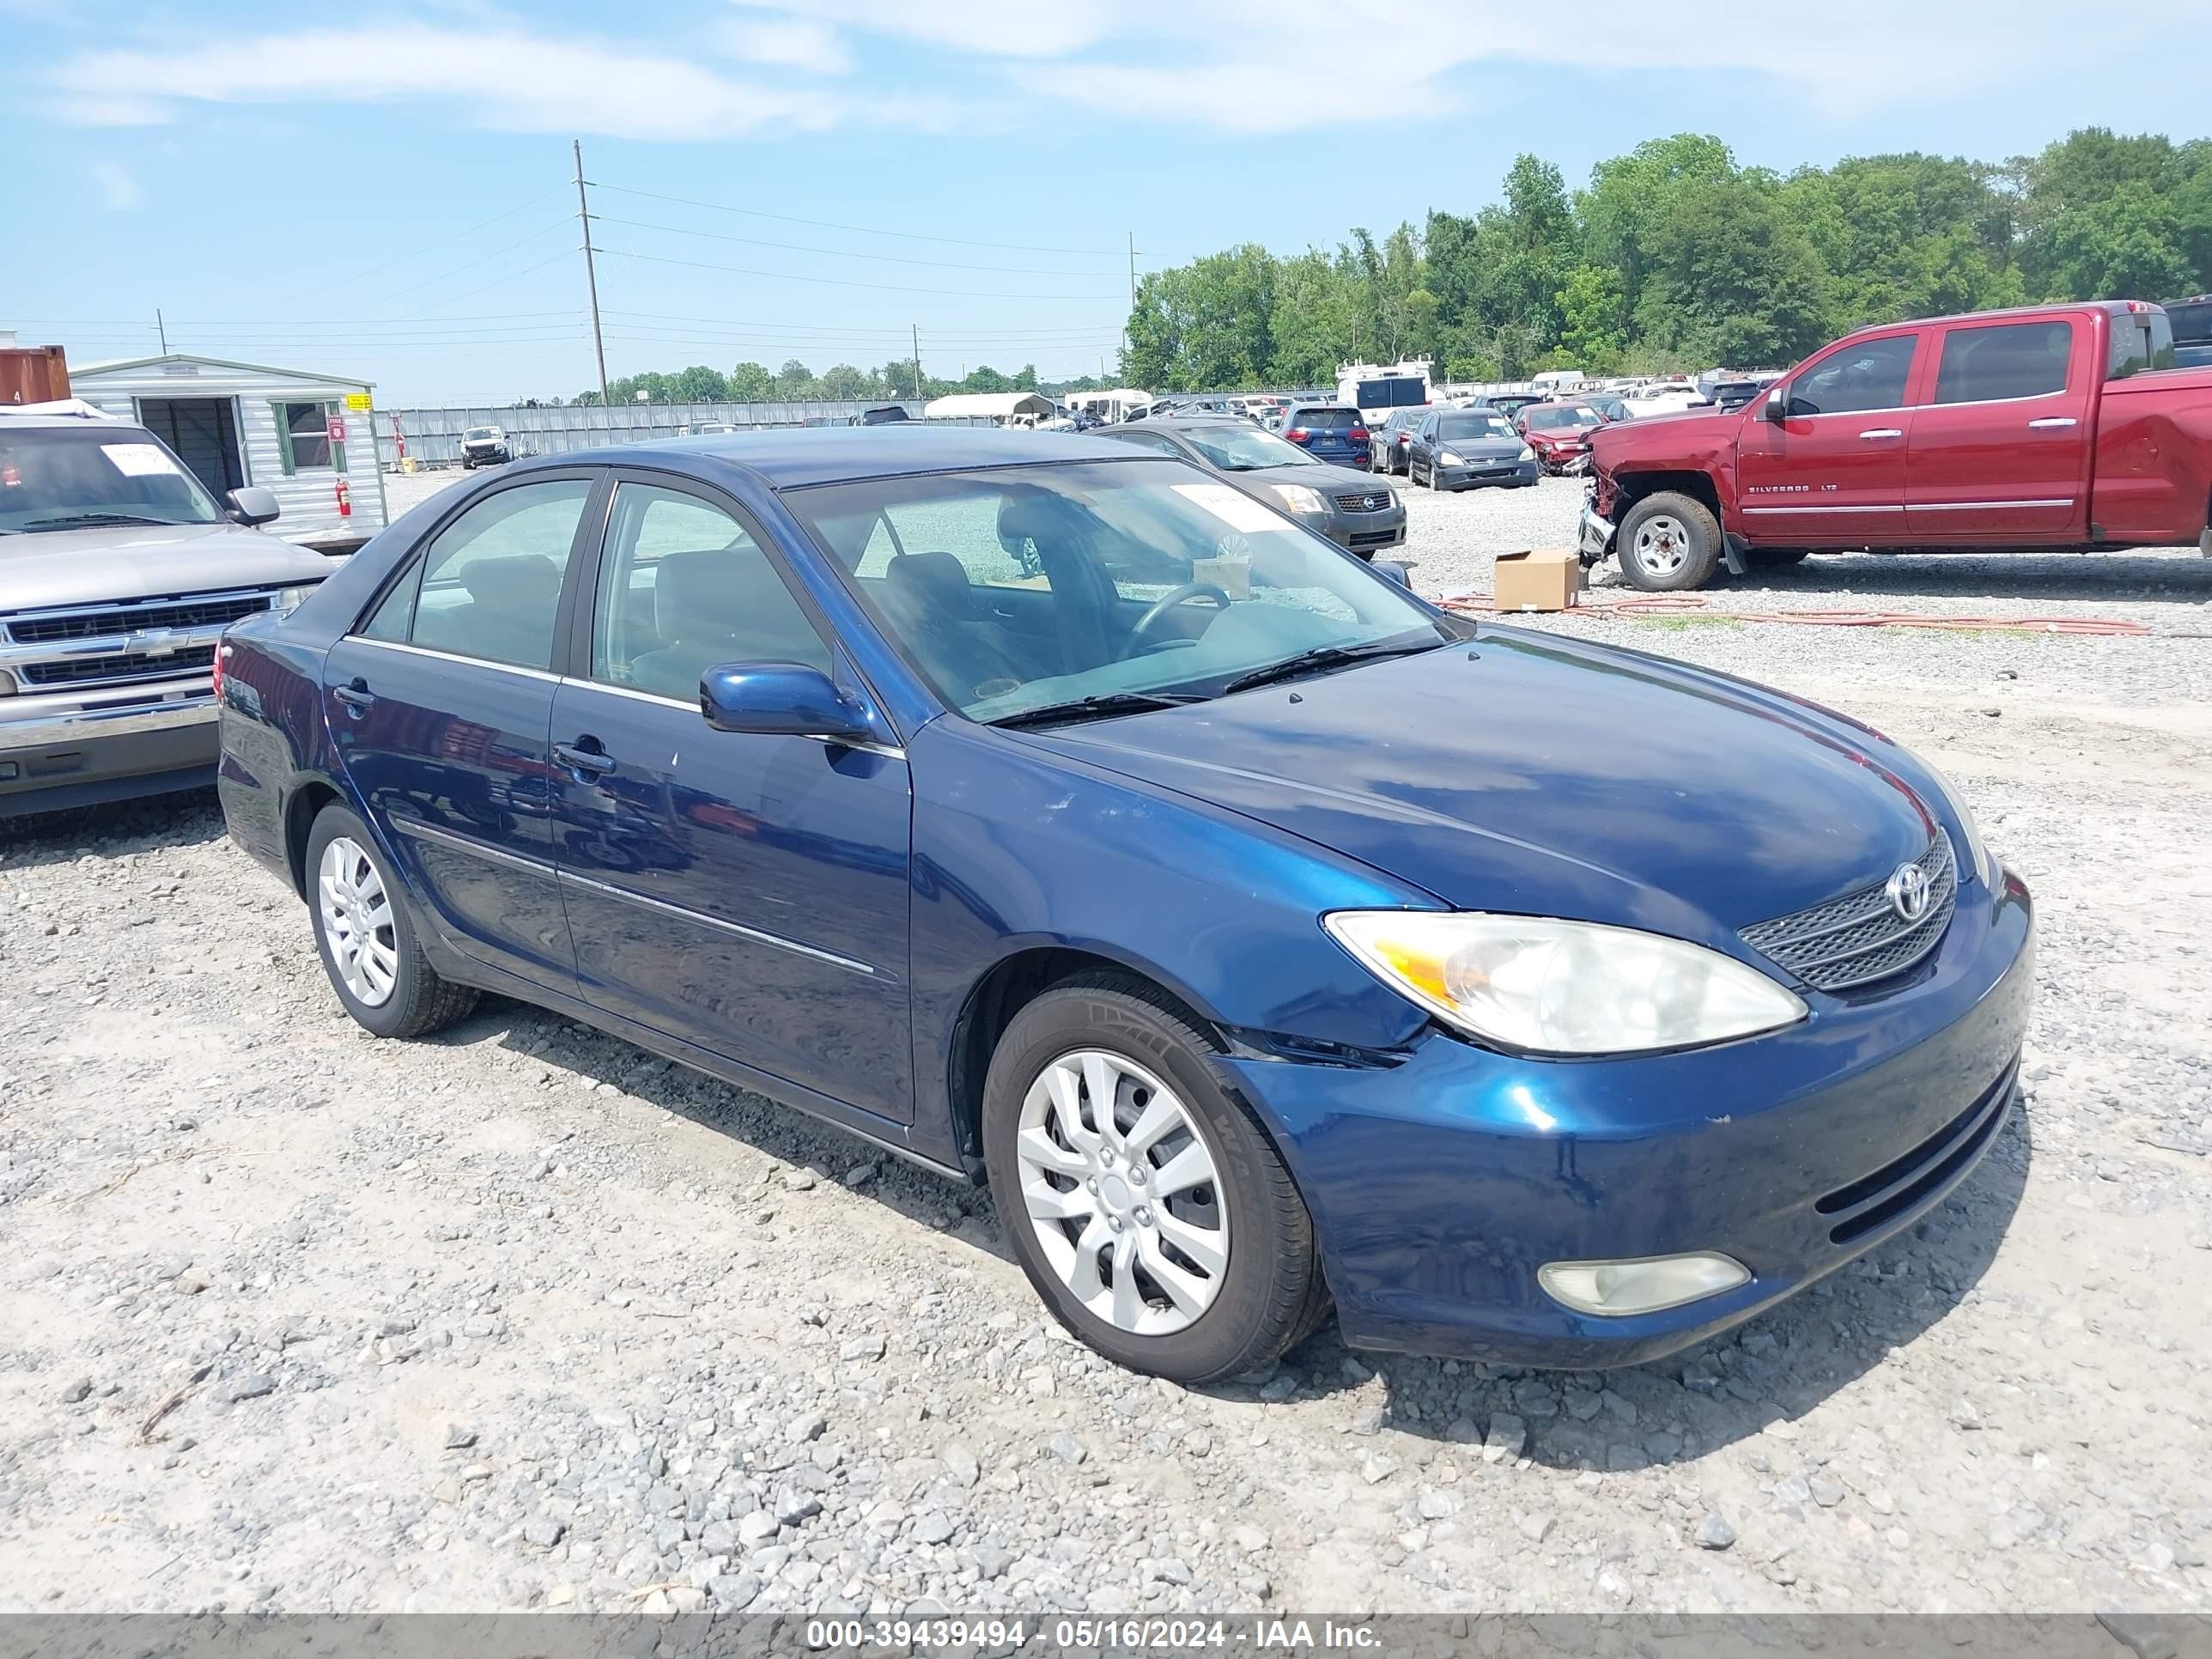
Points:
(345, 501)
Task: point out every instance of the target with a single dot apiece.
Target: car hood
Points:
(1527, 774)
(1329, 480)
(1482, 449)
(105, 563)
(1560, 434)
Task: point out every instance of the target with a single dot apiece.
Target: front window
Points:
(69, 477)
(1869, 374)
(1473, 425)
(1243, 449)
(1563, 418)
(1022, 588)
(478, 433)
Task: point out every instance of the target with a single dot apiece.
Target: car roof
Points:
(790, 458)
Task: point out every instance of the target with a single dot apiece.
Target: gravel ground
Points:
(525, 1317)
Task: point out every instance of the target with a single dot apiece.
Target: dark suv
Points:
(1332, 432)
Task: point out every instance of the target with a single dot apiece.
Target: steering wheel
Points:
(1165, 602)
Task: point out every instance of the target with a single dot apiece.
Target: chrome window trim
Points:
(545, 674)
(887, 750)
(775, 941)
(1986, 403)
(431, 833)
(1968, 507)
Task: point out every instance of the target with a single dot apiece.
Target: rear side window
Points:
(2002, 361)
(489, 585)
(1870, 374)
(2141, 340)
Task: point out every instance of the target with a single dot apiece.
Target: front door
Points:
(1830, 472)
(441, 705)
(2001, 453)
(747, 893)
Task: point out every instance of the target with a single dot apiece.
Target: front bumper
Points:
(1475, 474)
(1364, 533)
(1594, 533)
(83, 756)
(1439, 1185)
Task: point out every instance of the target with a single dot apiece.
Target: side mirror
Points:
(1777, 407)
(1395, 570)
(252, 504)
(780, 699)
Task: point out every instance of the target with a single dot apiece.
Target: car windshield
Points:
(1326, 420)
(68, 478)
(1243, 449)
(475, 432)
(1552, 420)
(1473, 425)
(1020, 588)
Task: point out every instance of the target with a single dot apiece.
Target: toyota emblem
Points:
(1908, 889)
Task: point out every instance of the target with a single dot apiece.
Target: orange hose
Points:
(1667, 604)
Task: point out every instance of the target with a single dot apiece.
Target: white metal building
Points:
(1003, 407)
(306, 436)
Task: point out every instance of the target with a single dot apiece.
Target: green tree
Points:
(1592, 320)
(846, 383)
(984, 378)
(794, 382)
(752, 383)
(700, 385)
(1733, 281)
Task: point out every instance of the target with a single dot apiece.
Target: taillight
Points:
(221, 651)
(1358, 435)
(1296, 435)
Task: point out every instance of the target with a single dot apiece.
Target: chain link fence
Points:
(433, 436)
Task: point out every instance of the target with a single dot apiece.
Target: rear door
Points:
(440, 704)
(744, 893)
(1831, 471)
(2000, 454)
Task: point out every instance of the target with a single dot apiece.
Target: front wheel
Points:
(1669, 543)
(1145, 1203)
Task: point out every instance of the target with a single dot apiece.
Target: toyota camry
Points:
(1069, 821)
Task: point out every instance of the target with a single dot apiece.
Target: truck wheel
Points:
(1669, 543)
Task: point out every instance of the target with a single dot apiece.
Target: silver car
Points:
(1354, 509)
(118, 574)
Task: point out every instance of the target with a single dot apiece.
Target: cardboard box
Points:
(1541, 578)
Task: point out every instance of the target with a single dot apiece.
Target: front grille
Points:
(1906, 1182)
(1374, 501)
(1860, 937)
(214, 612)
(1374, 539)
(121, 666)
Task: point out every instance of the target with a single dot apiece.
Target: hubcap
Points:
(1662, 544)
(357, 922)
(1122, 1192)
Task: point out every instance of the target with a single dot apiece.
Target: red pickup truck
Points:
(2061, 425)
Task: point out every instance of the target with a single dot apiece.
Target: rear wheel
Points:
(1669, 543)
(1143, 1200)
(366, 937)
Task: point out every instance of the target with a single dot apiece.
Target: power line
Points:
(836, 281)
(513, 276)
(857, 230)
(458, 236)
(846, 253)
(433, 281)
(896, 334)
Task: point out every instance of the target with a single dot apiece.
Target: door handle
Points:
(357, 697)
(592, 762)
(1884, 432)
(2051, 422)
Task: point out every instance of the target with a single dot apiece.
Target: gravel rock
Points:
(1714, 1532)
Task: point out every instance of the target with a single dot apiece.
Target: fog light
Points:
(1649, 1285)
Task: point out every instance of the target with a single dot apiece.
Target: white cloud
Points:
(501, 78)
(788, 42)
(118, 189)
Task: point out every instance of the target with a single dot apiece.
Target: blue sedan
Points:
(1064, 819)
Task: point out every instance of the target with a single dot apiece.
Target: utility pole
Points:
(162, 328)
(916, 327)
(1133, 302)
(591, 276)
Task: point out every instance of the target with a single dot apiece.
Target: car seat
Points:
(930, 597)
(717, 605)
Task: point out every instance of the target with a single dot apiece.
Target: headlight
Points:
(1299, 499)
(1978, 855)
(1448, 458)
(288, 599)
(1526, 454)
(1564, 987)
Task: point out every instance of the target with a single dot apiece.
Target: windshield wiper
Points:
(1098, 708)
(65, 520)
(1328, 656)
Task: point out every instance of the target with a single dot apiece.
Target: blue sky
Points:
(384, 190)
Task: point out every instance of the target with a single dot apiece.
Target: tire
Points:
(1250, 1284)
(1669, 543)
(387, 985)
